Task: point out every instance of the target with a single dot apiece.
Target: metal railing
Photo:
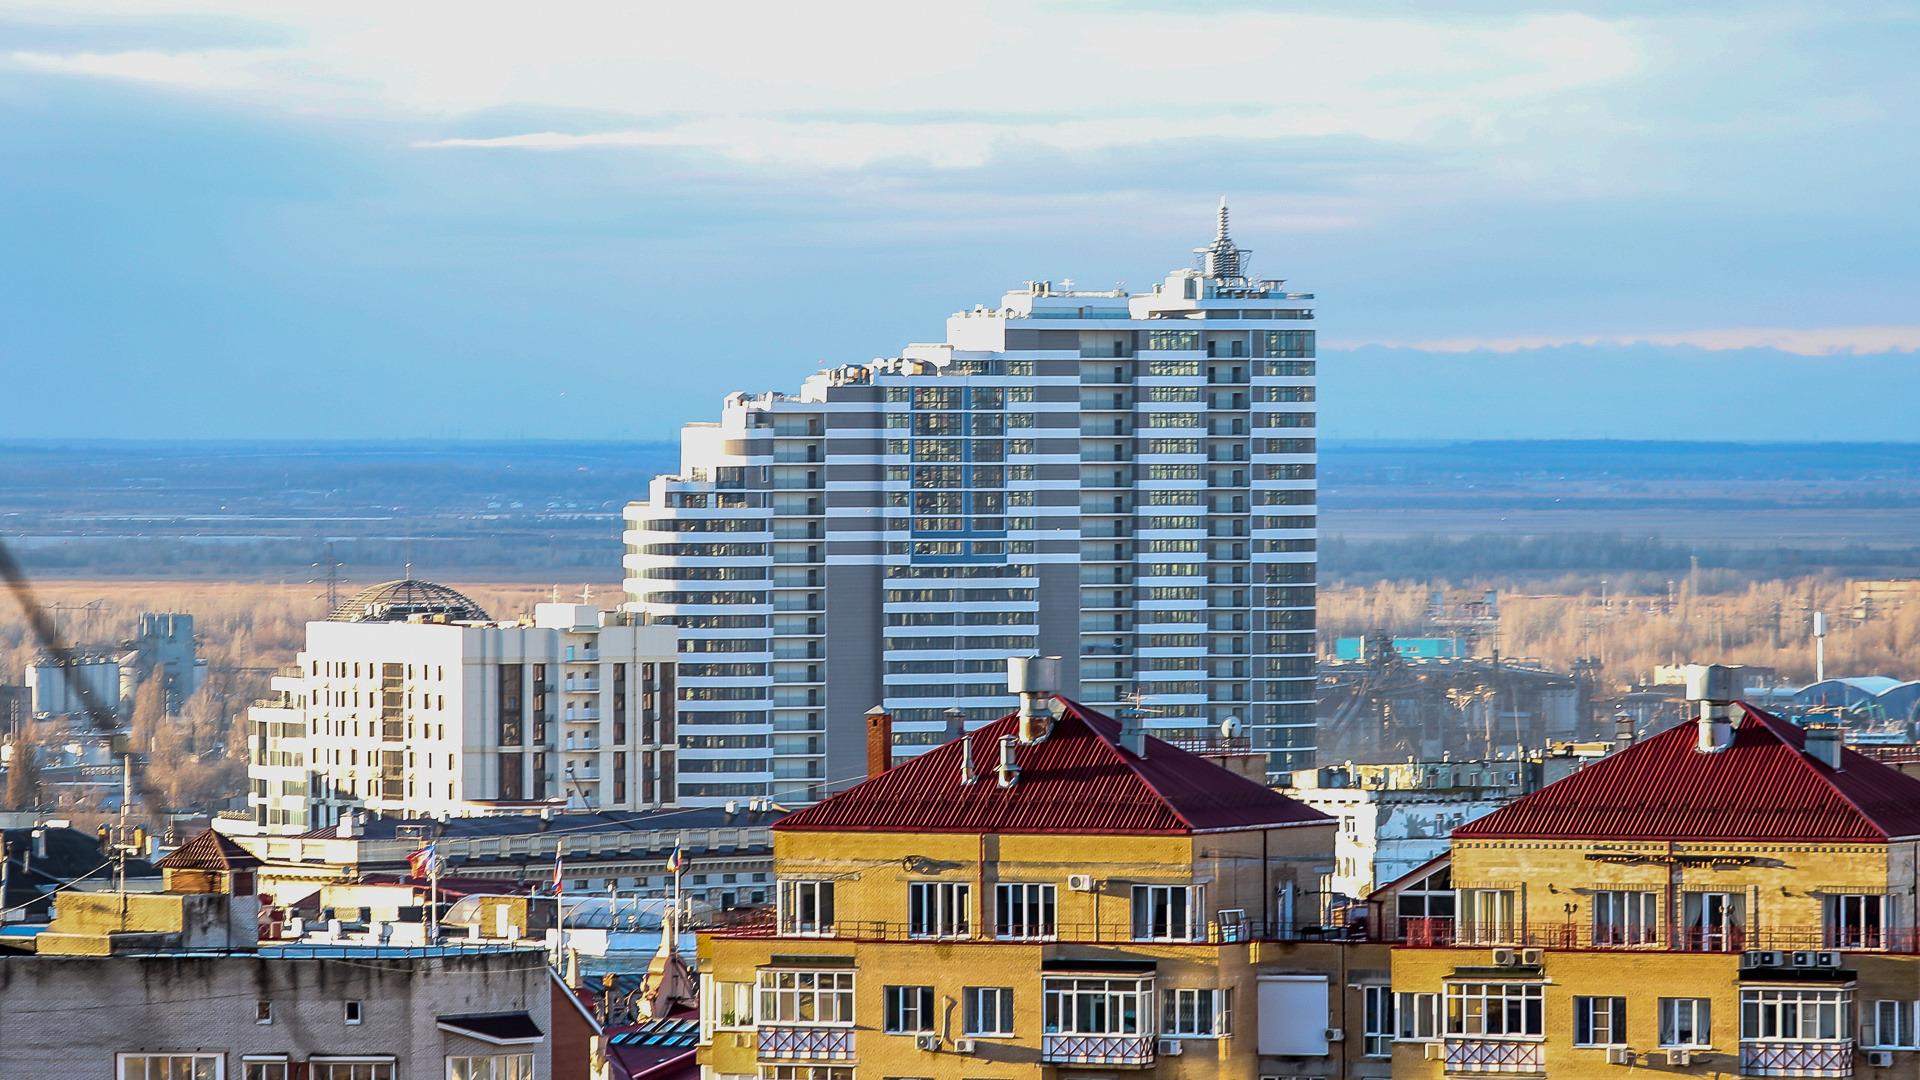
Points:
(1444, 932)
(761, 923)
(1832, 1058)
(1097, 1049)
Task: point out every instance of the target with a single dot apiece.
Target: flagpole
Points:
(560, 905)
(433, 903)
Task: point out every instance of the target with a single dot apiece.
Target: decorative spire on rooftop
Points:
(1221, 259)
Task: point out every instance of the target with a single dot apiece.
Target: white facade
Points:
(1126, 480)
(431, 718)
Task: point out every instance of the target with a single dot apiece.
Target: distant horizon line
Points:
(29, 442)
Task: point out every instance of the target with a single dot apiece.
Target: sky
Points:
(245, 218)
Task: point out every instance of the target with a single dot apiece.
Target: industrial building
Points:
(1126, 479)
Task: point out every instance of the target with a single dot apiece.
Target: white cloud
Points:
(186, 69)
(1810, 341)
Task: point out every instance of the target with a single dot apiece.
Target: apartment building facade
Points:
(1053, 894)
(1729, 897)
(411, 701)
(1126, 480)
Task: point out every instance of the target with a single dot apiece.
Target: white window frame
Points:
(1073, 1005)
(972, 1011)
(794, 897)
(806, 1072)
(1857, 920)
(829, 993)
(121, 1061)
(1418, 1017)
(1026, 911)
(1707, 934)
(1626, 917)
(1785, 1014)
(939, 909)
(1155, 918)
(525, 1056)
(328, 1061)
(352, 1012)
(726, 997)
(1196, 1013)
(250, 1062)
(1891, 1016)
(1379, 1028)
(1698, 1016)
(915, 1016)
(1487, 1010)
(1588, 1011)
(1487, 916)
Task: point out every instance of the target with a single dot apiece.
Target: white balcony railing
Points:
(806, 1043)
(1136, 1050)
(1495, 1056)
(1831, 1058)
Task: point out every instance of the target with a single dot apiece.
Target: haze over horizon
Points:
(350, 220)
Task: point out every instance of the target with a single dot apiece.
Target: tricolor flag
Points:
(557, 883)
(425, 862)
(677, 862)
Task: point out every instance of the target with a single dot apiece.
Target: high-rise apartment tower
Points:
(1125, 480)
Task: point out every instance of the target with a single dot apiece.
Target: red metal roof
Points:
(1762, 788)
(209, 851)
(1076, 780)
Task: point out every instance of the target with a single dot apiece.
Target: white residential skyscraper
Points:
(1124, 480)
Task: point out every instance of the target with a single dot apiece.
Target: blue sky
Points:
(227, 218)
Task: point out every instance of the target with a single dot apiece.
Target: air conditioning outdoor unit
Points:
(1773, 958)
(1336, 1034)
(1080, 882)
(1880, 1059)
(1533, 957)
(1172, 1048)
(1619, 1055)
(1679, 1057)
(1436, 1051)
(1826, 959)
(1804, 959)
(927, 1042)
(1503, 958)
(963, 1046)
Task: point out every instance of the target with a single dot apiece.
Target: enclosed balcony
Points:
(1098, 1051)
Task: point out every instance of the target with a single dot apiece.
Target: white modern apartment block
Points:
(408, 700)
(1122, 479)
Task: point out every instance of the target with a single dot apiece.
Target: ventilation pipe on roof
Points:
(1034, 679)
(1133, 733)
(1623, 732)
(1711, 686)
(1009, 766)
(1823, 744)
(956, 719)
(967, 773)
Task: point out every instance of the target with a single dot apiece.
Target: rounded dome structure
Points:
(398, 601)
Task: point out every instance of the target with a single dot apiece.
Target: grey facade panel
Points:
(856, 661)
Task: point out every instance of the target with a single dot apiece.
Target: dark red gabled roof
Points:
(1763, 788)
(1076, 780)
(209, 851)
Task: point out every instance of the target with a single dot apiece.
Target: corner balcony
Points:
(820, 1043)
(1826, 1058)
(1100, 1051)
(1502, 1056)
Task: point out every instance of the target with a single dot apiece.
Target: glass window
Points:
(1487, 916)
(1379, 1031)
(491, 1067)
(806, 907)
(989, 1010)
(172, 1067)
(1892, 1025)
(1418, 1015)
(806, 997)
(1625, 918)
(1168, 912)
(1197, 1014)
(1098, 1006)
(1793, 1015)
(1714, 921)
(1856, 921)
(1599, 1021)
(266, 1070)
(1495, 1009)
(319, 1069)
(731, 1004)
(1685, 1022)
(939, 909)
(806, 1072)
(1024, 912)
(909, 1010)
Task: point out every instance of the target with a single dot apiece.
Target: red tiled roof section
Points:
(1763, 788)
(1076, 780)
(209, 851)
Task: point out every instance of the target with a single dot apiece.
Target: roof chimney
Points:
(1823, 744)
(348, 826)
(1034, 678)
(1009, 767)
(879, 741)
(1133, 733)
(1711, 686)
(968, 774)
(956, 719)
(1623, 732)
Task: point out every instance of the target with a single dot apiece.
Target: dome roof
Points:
(396, 601)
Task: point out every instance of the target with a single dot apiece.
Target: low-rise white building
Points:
(409, 700)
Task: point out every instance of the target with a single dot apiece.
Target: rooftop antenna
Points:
(1221, 259)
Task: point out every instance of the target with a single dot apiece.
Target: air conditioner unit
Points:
(1436, 1051)
(1172, 1047)
(1619, 1055)
(1679, 1057)
(1804, 959)
(927, 1042)
(1503, 958)
(1080, 882)
(963, 1046)
(1533, 957)
(1826, 959)
(1335, 1034)
(1880, 1059)
(1773, 958)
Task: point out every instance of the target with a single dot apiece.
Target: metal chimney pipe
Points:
(1009, 763)
(968, 775)
(1823, 744)
(1034, 678)
(1711, 685)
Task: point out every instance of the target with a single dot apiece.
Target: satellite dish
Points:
(1230, 727)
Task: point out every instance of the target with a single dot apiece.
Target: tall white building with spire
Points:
(1126, 480)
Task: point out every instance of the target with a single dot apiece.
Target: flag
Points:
(425, 862)
(556, 875)
(677, 862)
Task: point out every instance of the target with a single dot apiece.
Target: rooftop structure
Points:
(407, 598)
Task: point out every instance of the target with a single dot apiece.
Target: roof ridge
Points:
(1819, 769)
(1123, 755)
